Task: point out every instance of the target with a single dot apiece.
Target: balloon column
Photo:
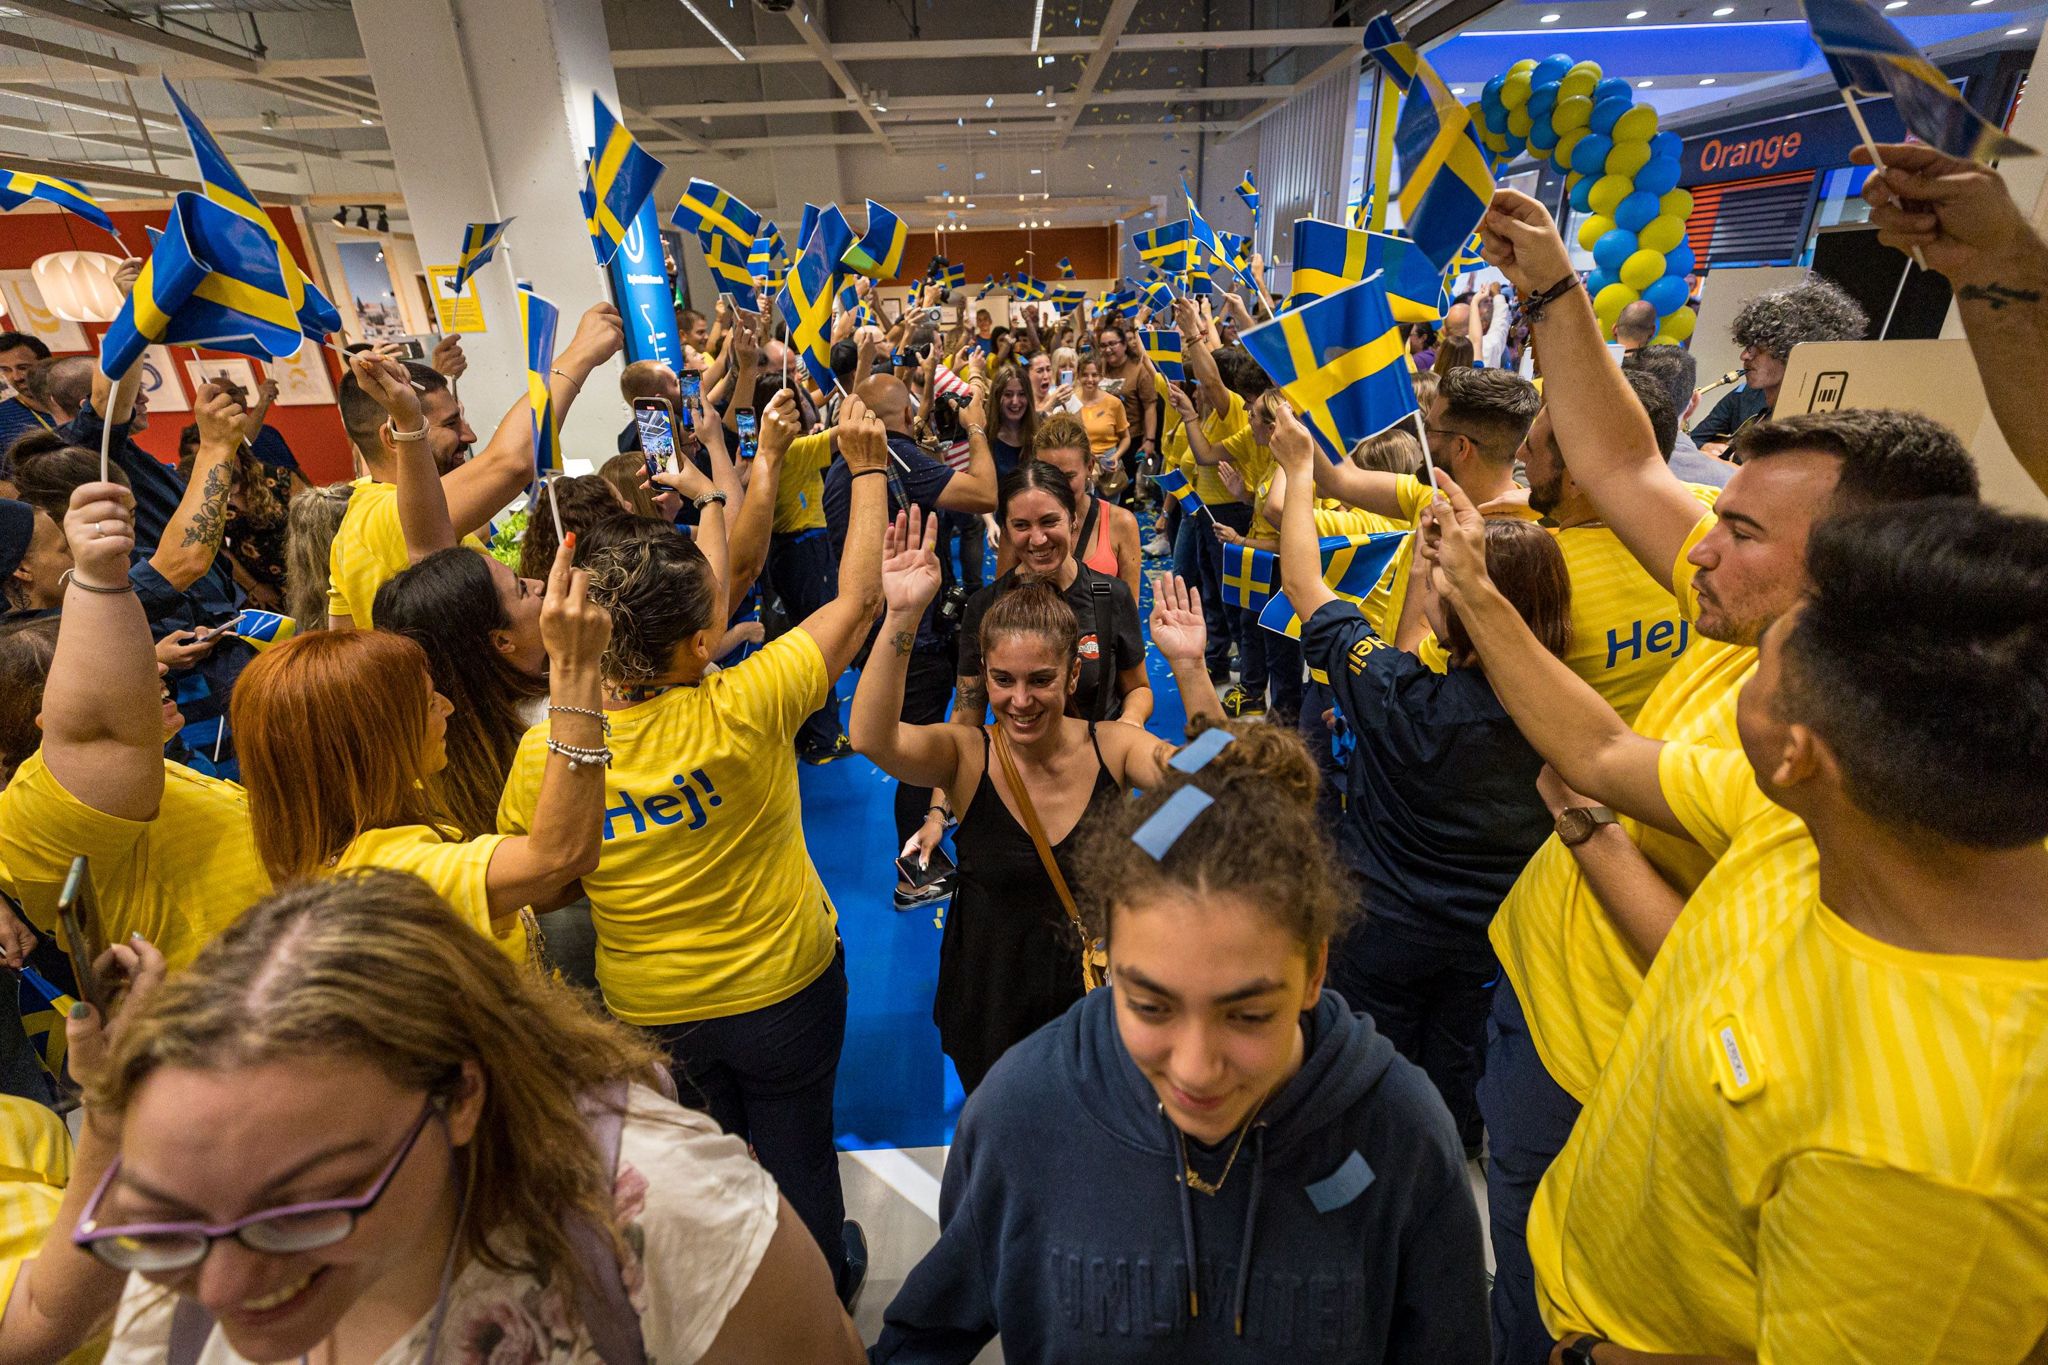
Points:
(1622, 174)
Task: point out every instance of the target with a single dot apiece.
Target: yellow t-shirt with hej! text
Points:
(456, 869)
(1809, 1146)
(705, 900)
(368, 551)
(1574, 972)
(177, 880)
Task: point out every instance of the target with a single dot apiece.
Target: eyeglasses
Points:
(158, 1247)
(1436, 433)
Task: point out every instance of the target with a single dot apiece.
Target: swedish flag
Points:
(1446, 184)
(1163, 349)
(1199, 229)
(1341, 362)
(1329, 257)
(479, 244)
(1237, 252)
(213, 279)
(316, 313)
(18, 187)
(705, 208)
(1066, 268)
(1165, 248)
(44, 1008)
(1066, 300)
(1199, 279)
(620, 178)
(1158, 296)
(1029, 289)
(1126, 303)
(262, 629)
(1173, 481)
(1867, 55)
(1352, 567)
(761, 257)
(1249, 576)
(952, 276)
(722, 256)
(1248, 190)
(805, 301)
(879, 252)
(537, 318)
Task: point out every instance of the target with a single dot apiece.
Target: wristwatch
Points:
(1575, 825)
(1580, 1352)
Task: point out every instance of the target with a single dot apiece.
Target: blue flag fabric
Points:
(806, 298)
(1329, 257)
(1167, 249)
(1066, 266)
(1352, 566)
(728, 265)
(879, 252)
(479, 244)
(1250, 577)
(953, 276)
(212, 279)
(805, 225)
(1248, 190)
(1164, 350)
(617, 183)
(223, 185)
(1029, 289)
(1173, 481)
(705, 208)
(1867, 55)
(1342, 364)
(18, 187)
(537, 319)
(1446, 181)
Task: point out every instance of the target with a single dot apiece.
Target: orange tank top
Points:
(1101, 555)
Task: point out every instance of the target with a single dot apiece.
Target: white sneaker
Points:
(1157, 546)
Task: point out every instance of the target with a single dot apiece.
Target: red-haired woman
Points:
(340, 731)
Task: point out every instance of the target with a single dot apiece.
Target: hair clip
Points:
(1194, 756)
(1158, 834)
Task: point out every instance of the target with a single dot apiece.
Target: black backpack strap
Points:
(1105, 646)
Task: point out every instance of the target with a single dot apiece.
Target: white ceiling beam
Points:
(952, 105)
(811, 29)
(100, 21)
(1308, 82)
(981, 49)
(1105, 46)
(72, 56)
(96, 174)
(123, 115)
(682, 138)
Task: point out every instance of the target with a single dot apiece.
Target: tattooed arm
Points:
(192, 536)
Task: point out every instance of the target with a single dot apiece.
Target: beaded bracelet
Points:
(600, 717)
(578, 756)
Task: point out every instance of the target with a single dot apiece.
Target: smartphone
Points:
(939, 867)
(78, 913)
(693, 387)
(745, 423)
(205, 633)
(657, 427)
(1066, 376)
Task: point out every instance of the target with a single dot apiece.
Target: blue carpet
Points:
(896, 1089)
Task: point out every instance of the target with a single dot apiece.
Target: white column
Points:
(487, 105)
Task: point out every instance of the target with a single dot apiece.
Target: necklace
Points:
(1195, 1181)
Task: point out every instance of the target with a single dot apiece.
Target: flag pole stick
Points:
(1428, 464)
(1863, 131)
(127, 383)
(1897, 294)
(555, 508)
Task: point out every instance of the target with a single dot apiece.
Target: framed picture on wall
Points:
(160, 386)
(303, 381)
(26, 312)
(234, 370)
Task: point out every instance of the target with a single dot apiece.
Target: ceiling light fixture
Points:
(1457, 90)
(698, 15)
(1895, 4)
(1550, 18)
(2014, 32)
(1706, 80)
(1037, 170)
(341, 216)
(1638, 14)
(383, 221)
(1724, 11)
(1975, 3)
(1037, 23)
(1644, 85)
(366, 121)
(363, 218)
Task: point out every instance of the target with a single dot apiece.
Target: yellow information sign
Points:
(455, 311)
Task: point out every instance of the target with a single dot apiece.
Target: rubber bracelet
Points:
(70, 577)
(863, 473)
(398, 435)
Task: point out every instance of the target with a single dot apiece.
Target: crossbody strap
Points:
(1091, 975)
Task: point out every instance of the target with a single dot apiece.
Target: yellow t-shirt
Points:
(177, 880)
(1626, 630)
(800, 486)
(1809, 1146)
(1105, 421)
(705, 900)
(1218, 427)
(1574, 971)
(35, 1168)
(1255, 463)
(368, 551)
(456, 870)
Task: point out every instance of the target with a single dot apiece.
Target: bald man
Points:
(915, 478)
(1634, 326)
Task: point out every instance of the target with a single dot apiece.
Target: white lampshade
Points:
(79, 286)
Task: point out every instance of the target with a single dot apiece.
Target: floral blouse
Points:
(694, 1211)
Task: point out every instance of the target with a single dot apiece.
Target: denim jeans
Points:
(804, 576)
(1528, 1118)
(767, 1076)
(1225, 628)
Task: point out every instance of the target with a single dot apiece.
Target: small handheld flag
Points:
(805, 302)
(953, 276)
(1341, 362)
(1165, 248)
(537, 319)
(1162, 348)
(1029, 289)
(1329, 257)
(879, 252)
(1447, 183)
(617, 183)
(722, 257)
(262, 629)
(805, 225)
(1352, 567)
(479, 243)
(705, 208)
(18, 187)
(1248, 190)
(1173, 481)
(213, 279)
(1867, 55)
(1066, 268)
(1249, 576)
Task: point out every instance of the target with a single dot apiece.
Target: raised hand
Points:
(1519, 236)
(132, 972)
(910, 561)
(600, 335)
(1453, 537)
(1293, 448)
(1958, 214)
(1177, 625)
(573, 629)
(781, 423)
(448, 360)
(100, 529)
(221, 418)
(863, 440)
(383, 377)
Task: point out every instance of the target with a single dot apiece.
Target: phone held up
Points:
(78, 914)
(657, 427)
(748, 426)
(693, 388)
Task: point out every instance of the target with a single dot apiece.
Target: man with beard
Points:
(1573, 960)
(384, 530)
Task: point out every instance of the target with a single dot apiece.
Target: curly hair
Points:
(1812, 310)
(1260, 839)
(658, 587)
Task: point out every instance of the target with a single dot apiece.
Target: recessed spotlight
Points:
(2014, 32)
(1052, 104)
(366, 122)
(1644, 85)
(1457, 90)
(1550, 18)
(1638, 14)
(1976, 3)
(1895, 4)
(1724, 11)
(989, 103)
(1035, 170)
(1706, 80)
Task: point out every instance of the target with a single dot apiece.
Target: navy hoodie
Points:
(1345, 1235)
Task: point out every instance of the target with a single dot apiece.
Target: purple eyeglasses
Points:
(157, 1247)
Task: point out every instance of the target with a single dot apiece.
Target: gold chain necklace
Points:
(1195, 1181)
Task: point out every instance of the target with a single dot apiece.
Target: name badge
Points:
(1738, 1070)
